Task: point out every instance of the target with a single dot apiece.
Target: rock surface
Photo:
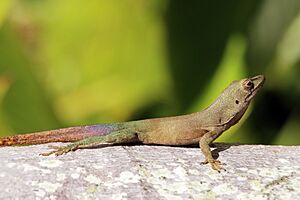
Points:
(150, 172)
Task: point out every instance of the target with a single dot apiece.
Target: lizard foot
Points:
(60, 150)
(215, 164)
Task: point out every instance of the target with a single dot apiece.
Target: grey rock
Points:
(150, 172)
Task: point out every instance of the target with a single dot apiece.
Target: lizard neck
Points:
(220, 113)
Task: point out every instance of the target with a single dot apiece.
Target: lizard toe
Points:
(58, 153)
(204, 162)
(45, 154)
(216, 165)
(53, 147)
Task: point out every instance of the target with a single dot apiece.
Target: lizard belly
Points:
(172, 136)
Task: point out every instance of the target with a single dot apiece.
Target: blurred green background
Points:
(68, 62)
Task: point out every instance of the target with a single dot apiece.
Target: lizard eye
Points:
(248, 84)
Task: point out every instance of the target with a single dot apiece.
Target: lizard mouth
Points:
(258, 81)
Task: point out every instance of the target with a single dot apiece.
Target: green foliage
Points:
(63, 63)
(4, 8)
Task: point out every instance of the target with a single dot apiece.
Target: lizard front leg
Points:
(204, 146)
(117, 137)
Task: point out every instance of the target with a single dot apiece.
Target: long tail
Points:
(60, 135)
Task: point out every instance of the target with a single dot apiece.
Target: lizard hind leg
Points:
(117, 137)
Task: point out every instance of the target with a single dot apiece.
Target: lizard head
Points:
(235, 99)
(247, 89)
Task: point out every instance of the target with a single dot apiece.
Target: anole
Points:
(197, 128)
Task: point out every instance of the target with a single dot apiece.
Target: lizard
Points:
(201, 127)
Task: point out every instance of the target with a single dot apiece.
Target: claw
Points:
(204, 162)
(215, 164)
